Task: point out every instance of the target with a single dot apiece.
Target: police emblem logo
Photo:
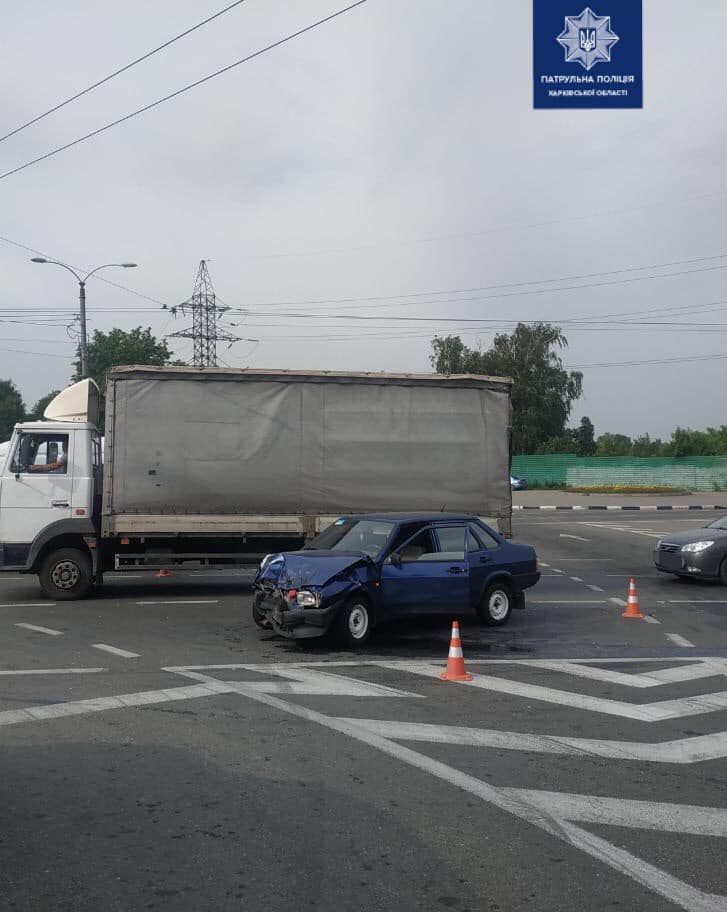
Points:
(587, 39)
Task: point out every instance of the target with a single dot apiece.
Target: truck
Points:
(212, 467)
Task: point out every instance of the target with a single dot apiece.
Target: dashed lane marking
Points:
(569, 601)
(650, 619)
(28, 605)
(124, 653)
(48, 630)
(593, 588)
(558, 571)
(679, 640)
(618, 601)
(576, 579)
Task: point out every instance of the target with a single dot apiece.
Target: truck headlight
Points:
(308, 599)
(696, 547)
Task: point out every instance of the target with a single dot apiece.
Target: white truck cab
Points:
(49, 479)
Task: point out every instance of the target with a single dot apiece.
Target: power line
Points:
(123, 69)
(680, 360)
(184, 89)
(458, 291)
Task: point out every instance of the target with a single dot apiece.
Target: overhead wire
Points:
(121, 70)
(181, 91)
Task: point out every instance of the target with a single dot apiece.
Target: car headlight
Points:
(308, 599)
(696, 547)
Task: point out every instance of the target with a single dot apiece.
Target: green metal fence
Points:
(696, 473)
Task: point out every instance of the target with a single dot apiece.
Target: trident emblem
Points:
(588, 39)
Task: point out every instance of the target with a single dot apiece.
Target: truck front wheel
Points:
(66, 574)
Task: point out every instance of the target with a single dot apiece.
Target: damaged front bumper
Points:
(290, 620)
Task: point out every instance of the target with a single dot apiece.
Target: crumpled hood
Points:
(693, 535)
(295, 569)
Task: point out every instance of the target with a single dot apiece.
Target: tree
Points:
(613, 445)
(116, 347)
(583, 437)
(644, 446)
(543, 391)
(41, 405)
(12, 408)
(111, 349)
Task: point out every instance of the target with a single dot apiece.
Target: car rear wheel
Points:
(723, 572)
(353, 624)
(496, 605)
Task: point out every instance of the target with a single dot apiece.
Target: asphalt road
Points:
(160, 752)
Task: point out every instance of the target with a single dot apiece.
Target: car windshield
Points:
(349, 534)
(720, 523)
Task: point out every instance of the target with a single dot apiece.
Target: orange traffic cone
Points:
(455, 661)
(163, 573)
(633, 609)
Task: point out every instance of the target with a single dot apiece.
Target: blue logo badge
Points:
(588, 59)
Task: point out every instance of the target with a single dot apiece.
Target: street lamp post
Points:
(82, 300)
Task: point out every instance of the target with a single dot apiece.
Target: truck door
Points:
(36, 489)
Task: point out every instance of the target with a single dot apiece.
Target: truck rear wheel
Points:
(66, 574)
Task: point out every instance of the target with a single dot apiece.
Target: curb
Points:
(619, 507)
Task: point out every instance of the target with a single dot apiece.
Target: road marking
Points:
(558, 571)
(618, 601)
(101, 704)
(543, 809)
(685, 751)
(53, 671)
(581, 560)
(697, 602)
(647, 712)
(678, 640)
(621, 528)
(28, 605)
(576, 579)
(299, 680)
(593, 588)
(576, 537)
(3, 578)
(642, 815)
(180, 602)
(570, 602)
(48, 630)
(543, 564)
(116, 651)
(688, 670)
(649, 619)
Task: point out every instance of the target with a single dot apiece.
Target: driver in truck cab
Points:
(58, 467)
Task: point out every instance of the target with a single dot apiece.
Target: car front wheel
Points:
(353, 624)
(496, 606)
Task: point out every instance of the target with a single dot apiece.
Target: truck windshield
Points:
(348, 534)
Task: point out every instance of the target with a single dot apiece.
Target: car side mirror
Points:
(396, 559)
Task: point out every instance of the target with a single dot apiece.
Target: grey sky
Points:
(393, 151)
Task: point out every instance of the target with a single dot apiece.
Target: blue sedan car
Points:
(365, 570)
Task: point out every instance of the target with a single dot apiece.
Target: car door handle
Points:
(59, 503)
(457, 570)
